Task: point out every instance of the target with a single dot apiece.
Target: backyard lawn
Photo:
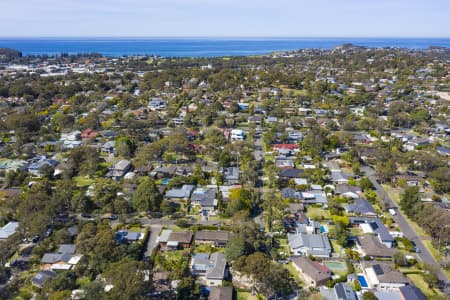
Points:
(294, 273)
(82, 181)
(395, 195)
(418, 281)
(317, 212)
(245, 296)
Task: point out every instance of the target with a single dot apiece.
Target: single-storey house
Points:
(118, 171)
(170, 240)
(316, 245)
(214, 238)
(314, 273)
(383, 275)
(182, 193)
(41, 278)
(8, 230)
(346, 190)
(361, 207)
(370, 245)
(221, 293)
(341, 291)
(63, 259)
(209, 268)
(374, 226)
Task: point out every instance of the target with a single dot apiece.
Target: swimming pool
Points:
(335, 265)
(323, 229)
(362, 281)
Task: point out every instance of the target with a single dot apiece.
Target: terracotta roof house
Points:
(88, 134)
(314, 273)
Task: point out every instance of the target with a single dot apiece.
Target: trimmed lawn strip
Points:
(419, 282)
(294, 273)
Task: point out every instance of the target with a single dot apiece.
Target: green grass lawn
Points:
(245, 296)
(295, 92)
(82, 181)
(435, 254)
(317, 212)
(284, 246)
(336, 247)
(135, 229)
(419, 282)
(395, 195)
(294, 273)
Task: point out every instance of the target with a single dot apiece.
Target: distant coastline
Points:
(200, 46)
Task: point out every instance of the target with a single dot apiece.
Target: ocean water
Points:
(200, 47)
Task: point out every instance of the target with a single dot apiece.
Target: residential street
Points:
(153, 239)
(408, 231)
(257, 150)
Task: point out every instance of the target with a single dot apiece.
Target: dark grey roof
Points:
(344, 292)
(231, 173)
(291, 173)
(51, 258)
(411, 292)
(210, 235)
(361, 206)
(42, 277)
(290, 193)
(209, 194)
(310, 241)
(343, 188)
(219, 264)
(66, 248)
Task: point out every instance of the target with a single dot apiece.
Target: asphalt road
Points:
(407, 230)
(153, 239)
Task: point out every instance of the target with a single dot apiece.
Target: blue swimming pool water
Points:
(323, 229)
(165, 181)
(362, 281)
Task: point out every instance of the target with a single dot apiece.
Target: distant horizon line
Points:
(219, 37)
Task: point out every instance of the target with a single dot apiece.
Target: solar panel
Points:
(378, 270)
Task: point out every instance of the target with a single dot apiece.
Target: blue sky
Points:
(229, 18)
